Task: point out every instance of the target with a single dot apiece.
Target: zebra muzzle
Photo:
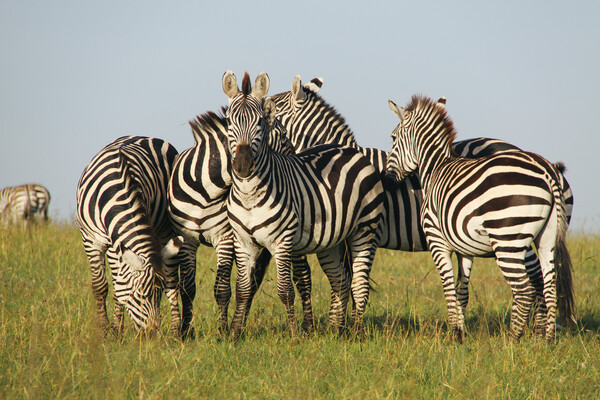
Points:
(243, 163)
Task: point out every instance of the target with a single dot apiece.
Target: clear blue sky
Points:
(75, 75)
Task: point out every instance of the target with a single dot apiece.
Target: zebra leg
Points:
(302, 281)
(118, 320)
(222, 288)
(362, 251)
(511, 261)
(285, 286)
(545, 244)
(465, 263)
(99, 282)
(262, 262)
(534, 271)
(246, 255)
(187, 289)
(442, 257)
(184, 259)
(332, 263)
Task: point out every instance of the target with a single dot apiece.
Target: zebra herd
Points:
(22, 203)
(283, 177)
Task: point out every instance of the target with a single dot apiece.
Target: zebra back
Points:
(122, 207)
(310, 120)
(23, 202)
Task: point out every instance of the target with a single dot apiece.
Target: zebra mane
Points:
(334, 112)
(246, 85)
(426, 105)
(325, 109)
(210, 124)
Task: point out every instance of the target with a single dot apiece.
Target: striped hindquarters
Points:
(20, 203)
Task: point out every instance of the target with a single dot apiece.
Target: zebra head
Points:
(245, 120)
(141, 279)
(278, 135)
(423, 136)
(402, 160)
(295, 107)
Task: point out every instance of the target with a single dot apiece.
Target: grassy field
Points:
(50, 346)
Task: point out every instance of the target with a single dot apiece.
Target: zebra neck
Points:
(318, 123)
(429, 158)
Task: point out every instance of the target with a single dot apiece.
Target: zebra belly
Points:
(470, 233)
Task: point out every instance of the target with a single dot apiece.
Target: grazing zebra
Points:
(22, 203)
(494, 206)
(310, 120)
(122, 213)
(297, 204)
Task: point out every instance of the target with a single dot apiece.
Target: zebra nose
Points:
(243, 163)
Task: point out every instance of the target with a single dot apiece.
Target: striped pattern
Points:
(22, 203)
(122, 214)
(198, 191)
(297, 204)
(483, 147)
(310, 121)
(493, 206)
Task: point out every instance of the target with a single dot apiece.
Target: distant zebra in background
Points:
(297, 204)
(495, 206)
(310, 120)
(122, 213)
(22, 203)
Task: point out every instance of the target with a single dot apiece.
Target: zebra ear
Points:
(297, 91)
(441, 102)
(230, 86)
(133, 260)
(172, 247)
(399, 111)
(314, 85)
(261, 86)
(270, 109)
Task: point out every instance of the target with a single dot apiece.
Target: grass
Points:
(50, 346)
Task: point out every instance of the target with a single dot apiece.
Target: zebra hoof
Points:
(188, 333)
(308, 327)
(237, 334)
(458, 334)
(223, 330)
(539, 331)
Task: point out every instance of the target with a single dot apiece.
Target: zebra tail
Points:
(562, 258)
(564, 282)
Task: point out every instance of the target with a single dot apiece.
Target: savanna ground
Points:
(51, 347)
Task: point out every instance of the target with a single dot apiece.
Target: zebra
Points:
(197, 193)
(122, 214)
(494, 206)
(293, 204)
(310, 120)
(22, 203)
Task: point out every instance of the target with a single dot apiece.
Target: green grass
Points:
(50, 346)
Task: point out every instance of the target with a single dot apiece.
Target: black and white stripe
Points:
(297, 204)
(22, 203)
(310, 120)
(122, 213)
(198, 191)
(495, 206)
